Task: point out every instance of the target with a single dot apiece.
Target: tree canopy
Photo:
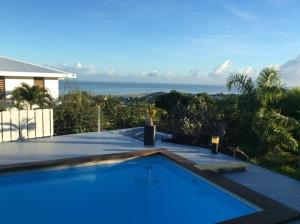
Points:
(274, 130)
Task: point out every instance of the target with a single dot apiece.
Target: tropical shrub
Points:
(274, 130)
(117, 113)
(176, 105)
(75, 113)
(290, 103)
(26, 96)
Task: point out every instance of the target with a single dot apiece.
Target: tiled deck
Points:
(276, 186)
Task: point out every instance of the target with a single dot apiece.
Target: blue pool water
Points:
(147, 190)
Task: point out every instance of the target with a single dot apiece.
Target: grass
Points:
(283, 163)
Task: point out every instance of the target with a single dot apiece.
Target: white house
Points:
(14, 72)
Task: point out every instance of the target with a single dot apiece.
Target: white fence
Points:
(24, 124)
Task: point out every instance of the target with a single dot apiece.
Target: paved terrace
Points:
(276, 186)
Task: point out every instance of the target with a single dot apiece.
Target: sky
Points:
(176, 41)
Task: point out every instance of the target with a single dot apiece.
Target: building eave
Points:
(37, 74)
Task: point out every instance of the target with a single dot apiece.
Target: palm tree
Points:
(242, 82)
(274, 130)
(31, 95)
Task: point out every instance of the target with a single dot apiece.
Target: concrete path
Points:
(276, 186)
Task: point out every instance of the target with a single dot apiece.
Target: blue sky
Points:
(190, 41)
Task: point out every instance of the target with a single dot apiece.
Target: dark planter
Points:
(149, 134)
(214, 148)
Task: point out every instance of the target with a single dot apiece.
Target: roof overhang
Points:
(37, 74)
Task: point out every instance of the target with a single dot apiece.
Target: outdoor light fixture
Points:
(215, 144)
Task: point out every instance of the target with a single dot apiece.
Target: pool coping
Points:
(273, 211)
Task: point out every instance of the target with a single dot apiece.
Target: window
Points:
(40, 82)
(2, 88)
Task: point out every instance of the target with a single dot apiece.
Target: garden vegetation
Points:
(261, 118)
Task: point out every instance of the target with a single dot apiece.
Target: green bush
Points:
(290, 103)
(75, 113)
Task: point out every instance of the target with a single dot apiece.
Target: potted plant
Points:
(150, 128)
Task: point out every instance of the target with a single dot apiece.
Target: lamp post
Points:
(98, 103)
(215, 144)
(99, 116)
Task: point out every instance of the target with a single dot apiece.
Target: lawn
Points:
(284, 163)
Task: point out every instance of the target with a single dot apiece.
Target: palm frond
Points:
(269, 87)
(242, 82)
(31, 95)
(269, 77)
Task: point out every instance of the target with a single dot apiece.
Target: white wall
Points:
(11, 83)
(52, 86)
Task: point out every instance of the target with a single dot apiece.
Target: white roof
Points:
(11, 67)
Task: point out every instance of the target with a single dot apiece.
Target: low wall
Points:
(25, 124)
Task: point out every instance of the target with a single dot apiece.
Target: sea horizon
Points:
(136, 88)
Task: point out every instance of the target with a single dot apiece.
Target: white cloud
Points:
(78, 65)
(290, 71)
(77, 68)
(112, 72)
(248, 71)
(221, 69)
(157, 74)
(152, 74)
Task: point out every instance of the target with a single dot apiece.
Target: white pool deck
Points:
(276, 186)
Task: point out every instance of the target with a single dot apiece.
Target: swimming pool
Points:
(150, 189)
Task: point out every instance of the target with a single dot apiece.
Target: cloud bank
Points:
(290, 72)
(77, 68)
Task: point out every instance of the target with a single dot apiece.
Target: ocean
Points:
(128, 89)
